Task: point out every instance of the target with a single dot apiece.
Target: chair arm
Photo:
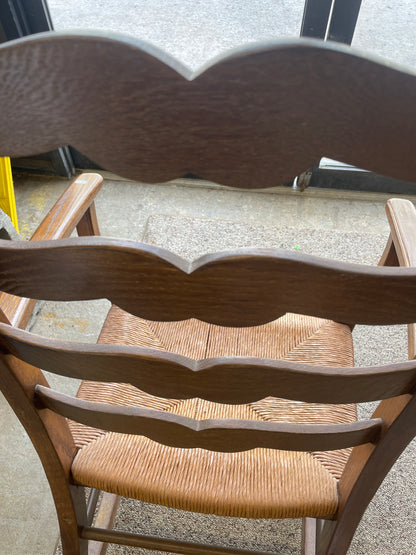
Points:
(74, 209)
(402, 218)
(401, 214)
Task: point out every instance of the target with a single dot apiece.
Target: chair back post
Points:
(52, 439)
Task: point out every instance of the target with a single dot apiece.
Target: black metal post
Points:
(343, 20)
(315, 18)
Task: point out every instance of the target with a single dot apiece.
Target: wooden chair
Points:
(225, 385)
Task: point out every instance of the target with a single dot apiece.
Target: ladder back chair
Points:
(224, 385)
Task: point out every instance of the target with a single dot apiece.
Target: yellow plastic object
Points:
(7, 201)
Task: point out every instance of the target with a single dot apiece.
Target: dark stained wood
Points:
(232, 380)
(3, 317)
(255, 118)
(74, 207)
(153, 283)
(88, 224)
(93, 499)
(160, 544)
(366, 469)
(51, 438)
(401, 214)
(78, 494)
(389, 256)
(228, 435)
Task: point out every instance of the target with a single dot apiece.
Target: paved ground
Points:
(197, 30)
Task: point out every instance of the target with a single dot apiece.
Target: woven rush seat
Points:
(261, 483)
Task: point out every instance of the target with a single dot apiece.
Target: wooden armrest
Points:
(71, 210)
(401, 214)
(402, 218)
(74, 209)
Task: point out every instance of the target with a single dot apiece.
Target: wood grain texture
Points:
(105, 519)
(69, 209)
(401, 214)
(74, 208)
(157, 285)
(161, 544)
(3, 318)
(232, 380)
(217, 434)
(389, 255)
(366, 468)
(88, 224)
(51, 438)
(253, 118)
(93, 499)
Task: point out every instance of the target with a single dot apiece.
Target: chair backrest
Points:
(255, 118)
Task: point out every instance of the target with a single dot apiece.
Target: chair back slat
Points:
(254, 118)
(231, 380)
(227, 435)
(157, 285)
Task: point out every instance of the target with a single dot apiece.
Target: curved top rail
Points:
(253, 118)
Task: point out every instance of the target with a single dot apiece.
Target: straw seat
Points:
(261, 483)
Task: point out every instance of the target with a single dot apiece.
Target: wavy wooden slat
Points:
(75, 207)
(237, 288)
(254, 118)
(226, 435)
(231, 380)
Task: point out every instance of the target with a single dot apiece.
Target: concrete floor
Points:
(190, 219)
(195, 31)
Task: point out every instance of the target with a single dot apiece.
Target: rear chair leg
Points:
(106, 515)
(309, 535)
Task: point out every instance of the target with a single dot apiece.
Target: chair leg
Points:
(72, 544)
(316, 534)
(309, 535)
(324, 537)
(105, 518)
